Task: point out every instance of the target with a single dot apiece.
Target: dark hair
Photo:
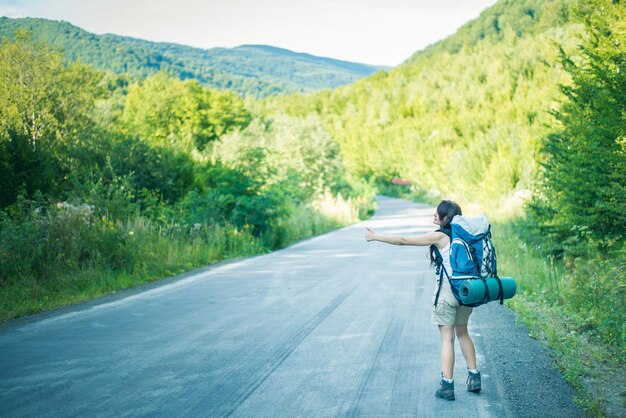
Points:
(446, 210)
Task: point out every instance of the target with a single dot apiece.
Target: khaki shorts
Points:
(446, 314)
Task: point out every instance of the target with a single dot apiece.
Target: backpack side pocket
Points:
(461, 259)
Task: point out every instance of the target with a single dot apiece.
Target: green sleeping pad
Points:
(473, 291)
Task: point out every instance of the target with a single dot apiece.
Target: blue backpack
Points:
(472, 256)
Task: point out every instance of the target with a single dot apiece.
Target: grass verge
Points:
(573, 321)
(70, 256)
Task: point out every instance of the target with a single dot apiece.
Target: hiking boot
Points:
(473, 382)
(446, 391)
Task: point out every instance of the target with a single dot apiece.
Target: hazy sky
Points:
(384, 32)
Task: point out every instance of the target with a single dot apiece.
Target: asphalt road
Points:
(331, 326)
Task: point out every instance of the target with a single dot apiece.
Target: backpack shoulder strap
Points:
(439, 262)
(437, 253)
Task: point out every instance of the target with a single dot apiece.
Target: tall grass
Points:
(54, 256)
(323, 214)
(69, 254)
(587, 293)
(535, 272)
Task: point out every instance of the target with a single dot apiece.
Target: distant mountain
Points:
(251, 70)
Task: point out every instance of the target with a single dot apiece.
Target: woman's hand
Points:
(369, 234)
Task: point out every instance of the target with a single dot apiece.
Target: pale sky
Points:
(381, 32)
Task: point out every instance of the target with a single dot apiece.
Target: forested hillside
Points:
(490, 87)
(250, 70)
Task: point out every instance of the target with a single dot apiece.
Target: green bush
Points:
(233, 196)
(165, 172)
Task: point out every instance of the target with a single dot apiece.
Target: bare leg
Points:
(447, 350)
(467, 345)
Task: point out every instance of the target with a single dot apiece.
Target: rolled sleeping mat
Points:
(473, 291)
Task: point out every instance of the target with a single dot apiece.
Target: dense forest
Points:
(109, 180)
(489, 87)
(250, 70)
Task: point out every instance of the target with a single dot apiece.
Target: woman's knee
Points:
(460, 330)
(447, 333)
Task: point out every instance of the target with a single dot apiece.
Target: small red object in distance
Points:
(401, 181)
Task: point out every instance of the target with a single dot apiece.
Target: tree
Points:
(45, 107)
(584, 186)
(168, 112)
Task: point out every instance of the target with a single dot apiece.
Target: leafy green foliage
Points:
(167, 173)
(45, 108)
(167, 112)
(235, 197)
(583, 192)
(297, 153)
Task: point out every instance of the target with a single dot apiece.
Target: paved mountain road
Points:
(331, 326)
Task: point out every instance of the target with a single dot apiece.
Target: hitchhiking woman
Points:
(447, 314)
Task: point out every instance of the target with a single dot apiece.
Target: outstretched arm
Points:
(438, 238)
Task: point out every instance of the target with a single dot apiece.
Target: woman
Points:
(448, 315)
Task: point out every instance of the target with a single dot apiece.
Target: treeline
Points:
(251, 71)
(105, 183)
(133, 59)
(463, 119)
